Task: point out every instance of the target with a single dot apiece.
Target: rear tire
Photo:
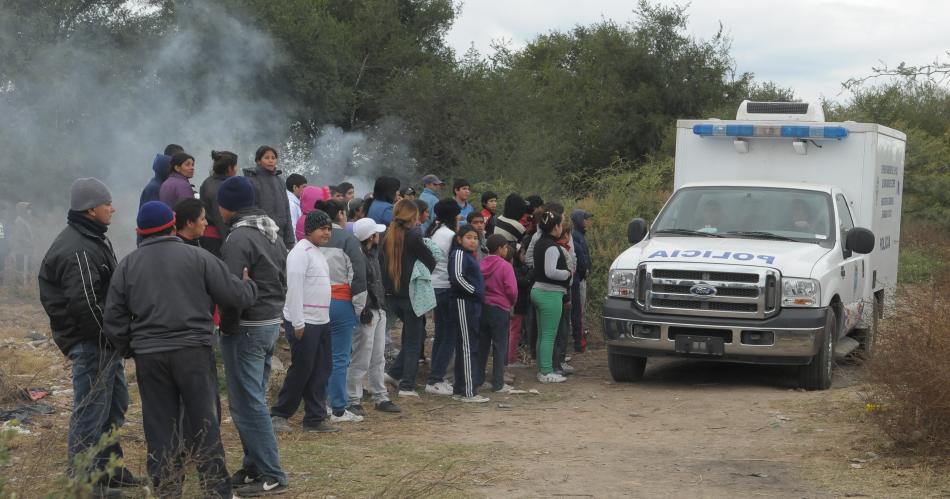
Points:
(625, 368)
(867, 336)
(816, 375)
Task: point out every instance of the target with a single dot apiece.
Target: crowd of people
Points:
(230, 265)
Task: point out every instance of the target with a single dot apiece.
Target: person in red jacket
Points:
(501, 293)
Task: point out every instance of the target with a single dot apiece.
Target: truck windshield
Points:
(749, 212)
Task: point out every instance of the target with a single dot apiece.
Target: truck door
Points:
(853, 269)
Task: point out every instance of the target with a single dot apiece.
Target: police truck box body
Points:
(777, 246)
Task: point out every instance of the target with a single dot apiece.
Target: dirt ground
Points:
(690, 429)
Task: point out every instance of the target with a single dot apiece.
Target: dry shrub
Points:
(911, 369)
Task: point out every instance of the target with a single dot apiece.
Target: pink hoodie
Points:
(501, 287)
(309, 197)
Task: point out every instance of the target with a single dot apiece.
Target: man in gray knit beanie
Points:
(87, 193)
(74, 278)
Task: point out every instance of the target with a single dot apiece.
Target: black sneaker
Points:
(323, 427)
(357, 409)
(123, 478)
(266, 486)
(243, 477)
(387, 406)
(106, 492)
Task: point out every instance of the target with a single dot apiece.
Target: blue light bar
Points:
(770, 131)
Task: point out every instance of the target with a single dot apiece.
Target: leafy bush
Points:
(617, 197)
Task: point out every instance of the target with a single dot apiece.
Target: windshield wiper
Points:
(755, 234)
(687, 232)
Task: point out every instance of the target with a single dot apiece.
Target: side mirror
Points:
(860, 240)
(637, 230)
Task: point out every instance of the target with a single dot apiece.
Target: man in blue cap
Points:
(430, 194)
(165, 322)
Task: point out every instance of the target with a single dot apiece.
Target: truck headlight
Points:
(622, 283)
(800, 292)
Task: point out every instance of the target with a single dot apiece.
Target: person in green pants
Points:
(552, 280)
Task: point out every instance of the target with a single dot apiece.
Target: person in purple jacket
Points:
(501, 293)
(178, 184)
(160, 166)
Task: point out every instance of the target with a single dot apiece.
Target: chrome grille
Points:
(744, 292)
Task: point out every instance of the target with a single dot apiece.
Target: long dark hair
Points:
(405, 215)
(446, 215)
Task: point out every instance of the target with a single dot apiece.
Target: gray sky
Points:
(809, 45)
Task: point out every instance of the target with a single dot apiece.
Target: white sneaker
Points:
(390, 381)
(505, 389)
(442, 388)
(408, 393)
(485, 386)
(518, 365)
(347, 417)
(477, 399)
(551, 378)
(567, 358)
(567, 368)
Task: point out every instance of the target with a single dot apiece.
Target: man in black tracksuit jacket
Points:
(74, 280)
(159, 311)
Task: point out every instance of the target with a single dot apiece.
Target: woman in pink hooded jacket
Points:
(501, 293)
(308, 199)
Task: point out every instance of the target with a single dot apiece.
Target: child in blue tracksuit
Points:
(467, 294)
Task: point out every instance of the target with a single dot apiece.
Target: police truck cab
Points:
(777, 246)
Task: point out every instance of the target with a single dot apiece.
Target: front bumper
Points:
(790, 337)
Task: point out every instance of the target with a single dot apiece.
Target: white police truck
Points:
(777, 246)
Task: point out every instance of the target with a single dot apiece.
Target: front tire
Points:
(625, 368)
(816, 375)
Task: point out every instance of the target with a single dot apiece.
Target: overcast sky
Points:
(809, 45)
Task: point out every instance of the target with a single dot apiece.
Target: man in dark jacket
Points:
(74, 280)
(165, 322)
(579, 287)
(250, 333)
(161, 166)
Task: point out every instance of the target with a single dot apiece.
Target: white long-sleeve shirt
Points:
(295, 211)
(308, 286)
(440, 275)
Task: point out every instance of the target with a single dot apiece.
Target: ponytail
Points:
(223, 161)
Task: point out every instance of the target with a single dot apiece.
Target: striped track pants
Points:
(465, 318)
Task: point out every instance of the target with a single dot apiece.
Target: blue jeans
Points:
(246, 356)
(342, 323)
(443, 344)
(100, 399)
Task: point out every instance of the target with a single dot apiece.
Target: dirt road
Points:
(690, 429)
